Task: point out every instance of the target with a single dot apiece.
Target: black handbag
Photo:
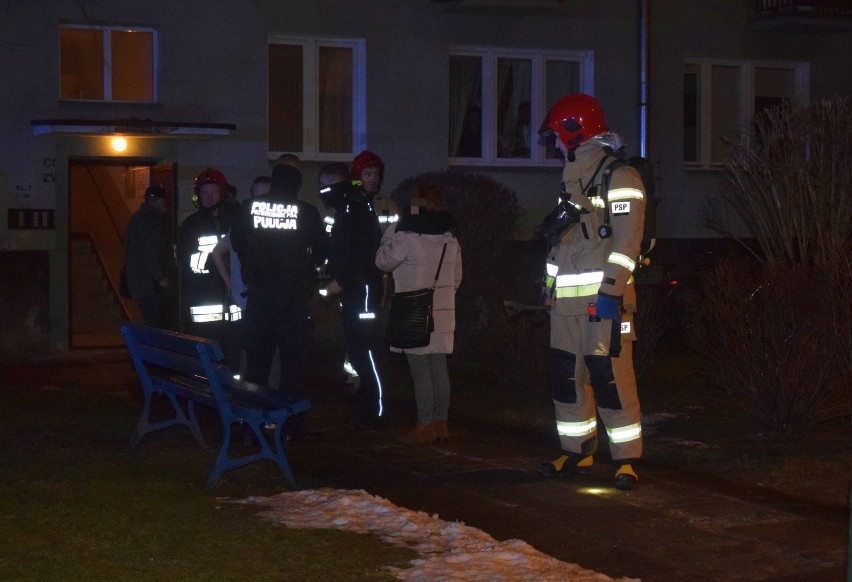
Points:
(410, 322)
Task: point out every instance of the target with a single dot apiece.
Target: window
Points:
(317, 97)
(499, 97)
(720, 96)
(108, 63)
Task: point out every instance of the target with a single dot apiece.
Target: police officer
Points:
(589, 288)
(207, 304)
(355, 238)
(280, 241)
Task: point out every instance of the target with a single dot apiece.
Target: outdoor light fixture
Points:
(119, 144)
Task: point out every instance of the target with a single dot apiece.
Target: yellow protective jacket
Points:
(583, 263)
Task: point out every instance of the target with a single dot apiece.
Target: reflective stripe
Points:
(597, 202)
(623, 260)
(578, 284)
(368, 315)
(205, 247)
(625, 433)
(579, 279)
(578, 291)
(347, 367)
(378, 381)
(576, 429)
(625, 194)
(388, 219)
(205, 313)
(552, 269)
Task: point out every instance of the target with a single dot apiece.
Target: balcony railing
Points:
(802, 16)
(814, 7)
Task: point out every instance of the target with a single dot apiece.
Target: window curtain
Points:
(465, 87)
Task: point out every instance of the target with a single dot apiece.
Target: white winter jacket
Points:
(413, 259)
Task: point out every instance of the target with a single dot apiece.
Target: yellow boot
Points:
(566, 465)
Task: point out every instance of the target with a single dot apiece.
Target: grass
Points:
(75, 504)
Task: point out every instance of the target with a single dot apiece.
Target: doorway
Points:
(102, 196)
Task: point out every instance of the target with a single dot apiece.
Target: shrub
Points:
(760, 334)
(789, 178)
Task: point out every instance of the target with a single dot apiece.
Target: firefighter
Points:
(351, 267)
(595, 236)
(280, 242)
(207, 305)
(369, 169)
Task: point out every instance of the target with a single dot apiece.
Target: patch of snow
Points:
(450, 551)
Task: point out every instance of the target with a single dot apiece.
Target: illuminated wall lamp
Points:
(119, 144)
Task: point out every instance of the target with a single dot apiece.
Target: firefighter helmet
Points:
(574, 119)
(210, 176)
(366, 159)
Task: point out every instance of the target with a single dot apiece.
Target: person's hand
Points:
(608, 307)
(334, 287)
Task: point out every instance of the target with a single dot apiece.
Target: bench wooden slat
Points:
(189, 367)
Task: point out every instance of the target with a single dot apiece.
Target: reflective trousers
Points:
(586, 381)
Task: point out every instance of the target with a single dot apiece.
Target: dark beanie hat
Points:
(154, 192)
(286, 180)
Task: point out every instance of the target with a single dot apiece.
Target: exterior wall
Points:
(717, 29)
(213, 66)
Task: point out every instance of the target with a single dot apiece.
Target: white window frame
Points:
(310, 84)
(538, 106)
(746, 101)
(106, 58)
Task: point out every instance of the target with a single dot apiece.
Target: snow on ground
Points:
(449, 552)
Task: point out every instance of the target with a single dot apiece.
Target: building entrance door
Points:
(103, 194)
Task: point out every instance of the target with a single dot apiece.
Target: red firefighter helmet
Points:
(574, 119)
(366, 159)
(211, 176)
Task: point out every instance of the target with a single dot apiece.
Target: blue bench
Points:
(190, 368)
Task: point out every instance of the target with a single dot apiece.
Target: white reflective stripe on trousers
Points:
(625, 434)
(576, 429)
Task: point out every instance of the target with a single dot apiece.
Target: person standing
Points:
(148, 259)
(588, 285)
(280, 241)
(369, 169)
(207, 306)
(228, 265)
(414, 250)
(354, 277)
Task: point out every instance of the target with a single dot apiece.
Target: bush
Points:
(761, 334)
(789, 177)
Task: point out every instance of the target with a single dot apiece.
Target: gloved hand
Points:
(608, 307)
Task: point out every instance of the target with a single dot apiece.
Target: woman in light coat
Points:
(411, 250)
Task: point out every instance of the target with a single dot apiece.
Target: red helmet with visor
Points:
(574, 119)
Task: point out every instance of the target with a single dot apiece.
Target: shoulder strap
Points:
(441, 262)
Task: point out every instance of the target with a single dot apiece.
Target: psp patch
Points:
(620, 207)
(625, 327)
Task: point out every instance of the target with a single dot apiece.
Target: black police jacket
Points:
(279, 239)
(355, 238)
